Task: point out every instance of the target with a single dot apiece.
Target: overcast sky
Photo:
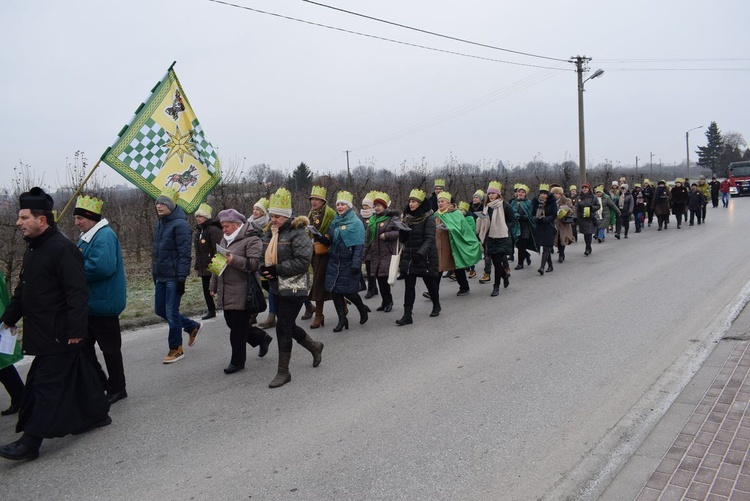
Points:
(276, 91)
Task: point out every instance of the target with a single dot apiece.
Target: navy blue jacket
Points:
(172, 241)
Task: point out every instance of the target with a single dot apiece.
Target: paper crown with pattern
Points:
(171, 193)
(282, 199)
(573, 187)
(495, 187)
(369, 198)
(262, 204)
(345, 196)
(544, 187)
(599, 188)
(440, 183)
(319, 192)
(521, 186)
(464, 206)
(417, 194)
(204, 210)
(90, 204)
(382, 197)
(444, 195)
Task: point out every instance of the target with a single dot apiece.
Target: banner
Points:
(164, 147)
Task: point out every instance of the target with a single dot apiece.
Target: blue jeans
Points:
(725, 199)
(167, 306)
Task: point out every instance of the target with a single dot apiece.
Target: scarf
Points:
(372, 227)
(601, 207)
(322, 218)
(497, 227)
(540, 208)
(348, 228)
(271, 257)
(366, 213)
(261, 221)
(230, 238)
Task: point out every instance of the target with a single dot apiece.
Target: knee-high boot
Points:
(338, 302)
(282, 376)
(319, 319)
(545, 256)
(314, 347)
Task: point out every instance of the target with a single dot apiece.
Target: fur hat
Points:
(556, 189)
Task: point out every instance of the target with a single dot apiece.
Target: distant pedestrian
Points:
(648, 198)
(563, 222)
(715, 186)
(381, 236)
(695, 203)
(608, 212)
(207, 236)
(321, 216)
(587, 208)
(679, 201)
(661, 203)
(524, 234)
(496, 233)
(544, 210)
(704, 188)
(726, 184)
(626, 204)
(639, 207)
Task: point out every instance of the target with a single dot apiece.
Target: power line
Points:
(381, 38)
(433, 33)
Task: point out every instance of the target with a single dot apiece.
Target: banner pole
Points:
(78, 191)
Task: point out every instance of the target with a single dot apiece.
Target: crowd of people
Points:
(70, 295)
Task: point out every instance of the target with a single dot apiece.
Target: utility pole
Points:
(348, 171)
(636, 168)
(579, 62)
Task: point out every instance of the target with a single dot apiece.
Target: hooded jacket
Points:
(104, 270)
(171, 259)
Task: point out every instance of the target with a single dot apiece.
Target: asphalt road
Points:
(538, 393)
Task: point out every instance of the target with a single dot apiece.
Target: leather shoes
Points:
(11, 410)
(264, 346)
(104, 422)
(17, 451)
(210, 314)
(231, 369)
(388, 308)
(114, 397)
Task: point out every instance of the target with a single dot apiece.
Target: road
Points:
(538, 393)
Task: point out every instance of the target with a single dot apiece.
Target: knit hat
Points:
(573, 187)
(495, 187)
(89, 207)
(480, 194)
(36, 198)
(444, 195)
(439, 183)
(281, 203)
(320, 193)
(204, 210)
(369, 199)
(382, 198)
(543, 188)
(586, 185)
(231, 216)
(615, 183)
(556, 189)
(262, 204)
(417, 195)
(344, 197)
(169, 198)
(624, 186)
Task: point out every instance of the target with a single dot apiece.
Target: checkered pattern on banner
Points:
(205, 150)
(145, 153)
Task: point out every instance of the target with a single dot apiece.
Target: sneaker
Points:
(472, 274)
(194, 333)
(485, 278)
(174, 355)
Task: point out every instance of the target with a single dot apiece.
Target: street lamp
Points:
(579, 62)
(687, 148)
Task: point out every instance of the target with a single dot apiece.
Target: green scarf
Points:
(372, 226)
(348, 228)
(322, 218)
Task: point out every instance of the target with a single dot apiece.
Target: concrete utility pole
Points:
(687, 148)
(636, 168)
(348, 171)
(580, 62)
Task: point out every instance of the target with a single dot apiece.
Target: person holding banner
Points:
(63, 394)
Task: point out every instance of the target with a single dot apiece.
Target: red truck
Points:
(739, 178)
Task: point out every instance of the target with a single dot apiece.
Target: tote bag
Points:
(395, 261)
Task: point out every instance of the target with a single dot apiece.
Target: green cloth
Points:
(5, 359)
(372, 225)
(348, 228)
(465, 246)
(325, 223)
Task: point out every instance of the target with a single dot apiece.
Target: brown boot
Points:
(282, 376)
(314, 347)
(319, 319)
(309, 310)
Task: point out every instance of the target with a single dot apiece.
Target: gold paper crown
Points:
(444, 195)
(647, 181)
(544, 187)
(464, 206)
(217, 264)
(440, 182)
(204, 210)
(171, 193)
(383, 197)
(521, 186)
(319, 192)
(91, 204)
(480, 194)
(497, 185)
(599, 188)
(573, 187)
(282, 199)
(370, 197)
(344, 196)
(637, 185)
(417, 194)
(679, 180)
(263, 202)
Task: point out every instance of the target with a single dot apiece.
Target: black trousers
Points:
(287, 309)
(385, 290)
(500, 262)
(105, 331)
(433, 288)
(13, 383)
(462, 279)
(623, 222)
(523, 252)
(207, 295)
(240, 333)
(693, 214)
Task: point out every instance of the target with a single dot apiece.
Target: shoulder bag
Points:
(256, 301)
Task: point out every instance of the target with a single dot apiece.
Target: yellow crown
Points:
(383, 197)
(440, 183)
(91, 204)
(319, 192)
(204, 210)
(344, 196)
(464, 206)
(521, 186)
(263, 203)
(282, 199)
(217, 264)
(418, 195)
(573, 187)
(171, 193)
(495, 185)
(444, 195)
(544, 187)
(599, 188)
(679, 180)
(646, 181)
(480, 194)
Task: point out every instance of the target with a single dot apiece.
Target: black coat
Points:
(419, 255)
(695, 200)
(679, 199)
(207, 235)
(545, 225)
(51, 296)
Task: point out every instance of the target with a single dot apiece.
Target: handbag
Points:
(256, 301)
(393, 267)
(296, 285)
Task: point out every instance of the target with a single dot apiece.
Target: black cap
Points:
(36, 198)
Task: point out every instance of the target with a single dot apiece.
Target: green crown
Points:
(444, 195)
(417, 194)
(319, 192)
(383, 197)
(464, 206)
(497, 185)
(521, 186)
(344, 196)
(204, 209)
(440, 182)
(171, 193)
(91, 204)
(263, 202)
(282, 199)
(544, 187)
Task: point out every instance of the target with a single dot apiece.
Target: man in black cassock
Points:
(63, 393)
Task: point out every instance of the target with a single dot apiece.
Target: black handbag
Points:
(256, 301)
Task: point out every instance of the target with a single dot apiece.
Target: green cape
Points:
(464, 243)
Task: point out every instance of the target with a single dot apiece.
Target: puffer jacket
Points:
(207, 235)
(231, 286)
(172, 239)
(419, 255)
(379, 251)
(294, 251)
(343, 272)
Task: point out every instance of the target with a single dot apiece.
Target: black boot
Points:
(264, 346)
(406, 319)
(549, 263)
(561, 254)
(495, 290)
(519, 266)
(545, 255)
(372, 287)
(338, 302)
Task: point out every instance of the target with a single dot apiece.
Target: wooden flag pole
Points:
(78, 191)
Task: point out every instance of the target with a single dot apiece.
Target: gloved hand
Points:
(269, 271)
(180, 287)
